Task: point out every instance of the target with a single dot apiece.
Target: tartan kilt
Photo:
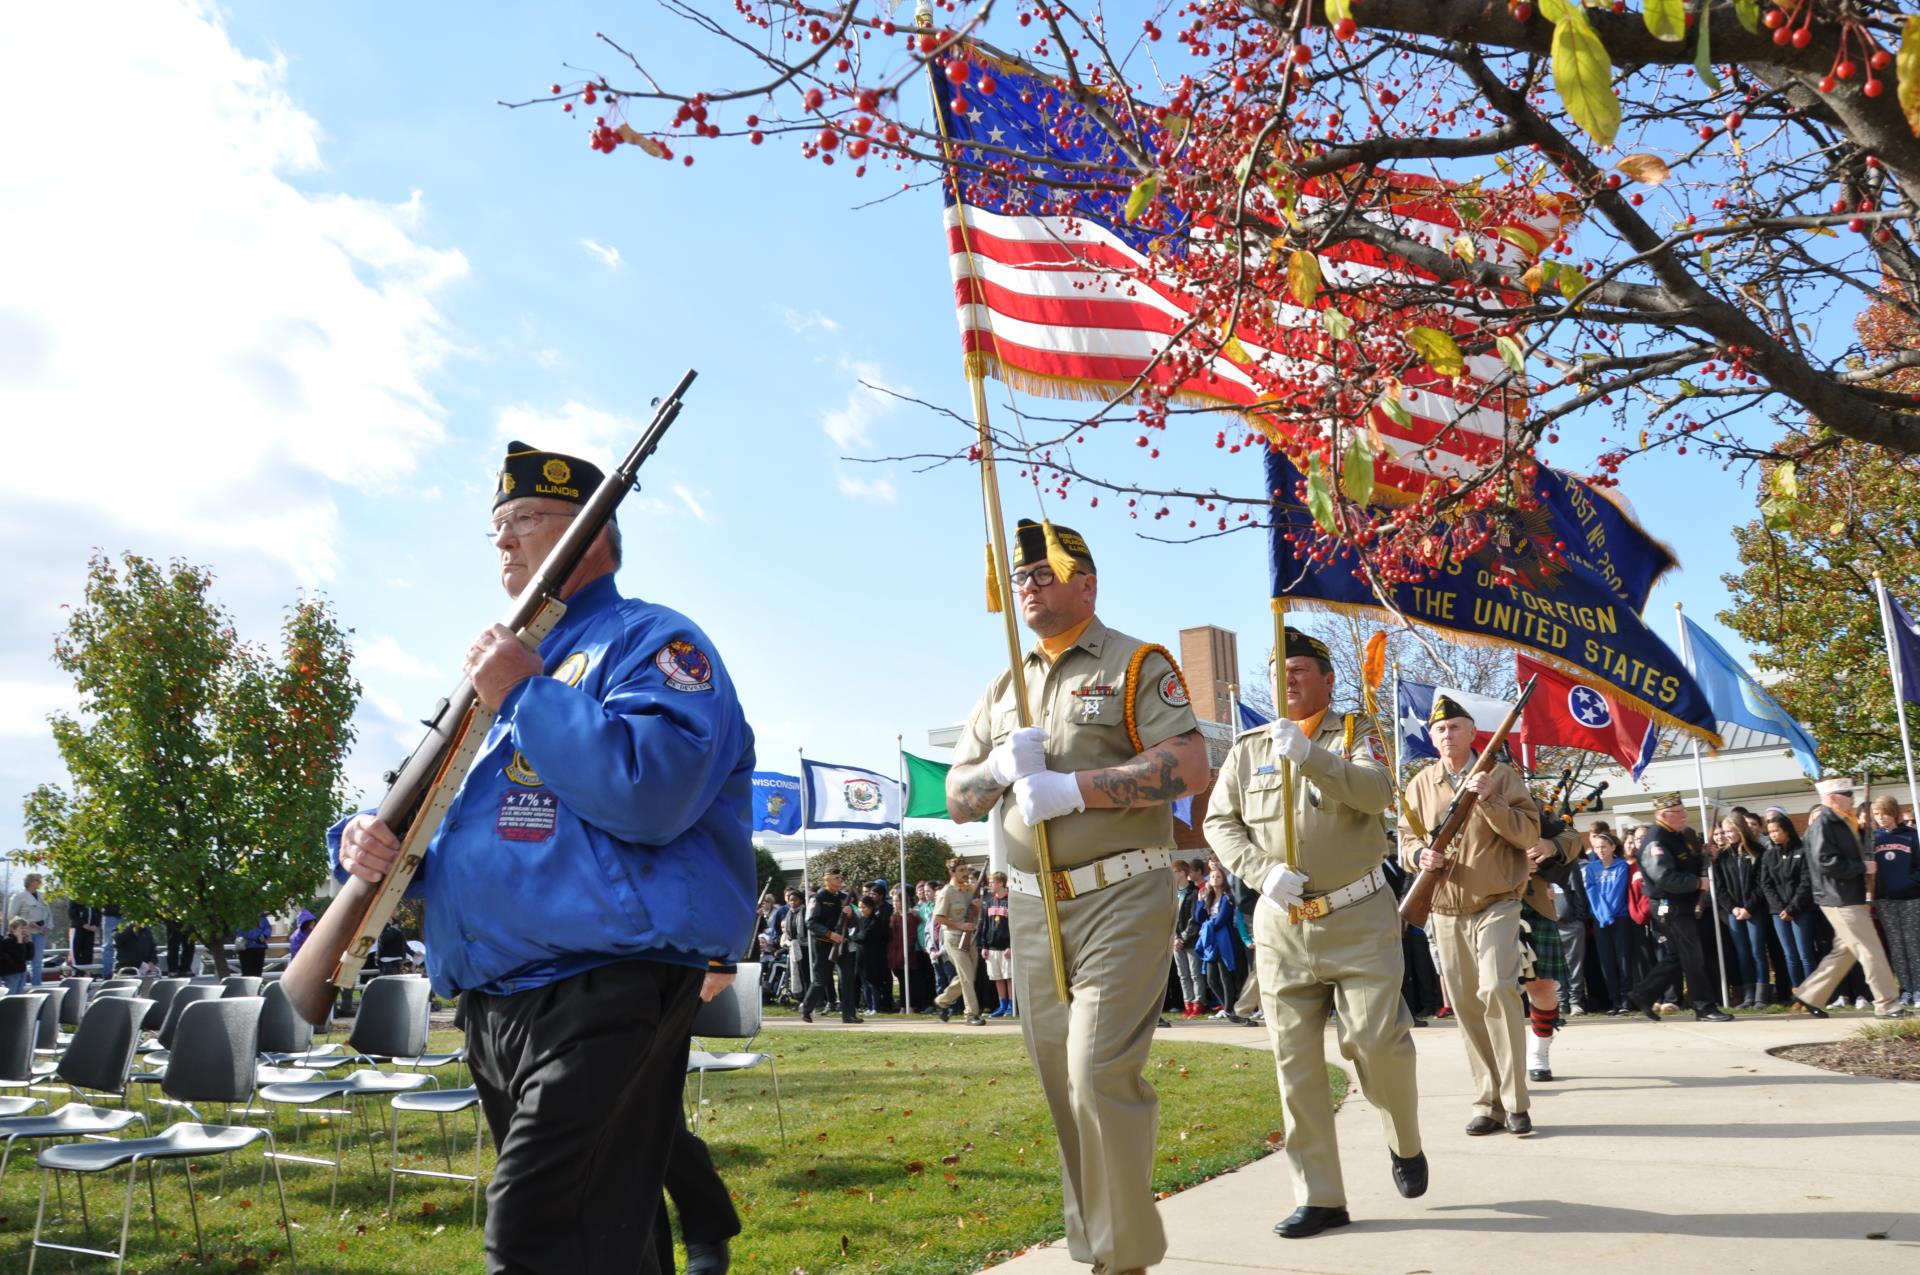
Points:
(1541, 937)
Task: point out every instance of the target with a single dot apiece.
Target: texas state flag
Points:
(1568, 713)
(1416, 702)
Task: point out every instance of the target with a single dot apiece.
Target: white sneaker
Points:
(1861, 1002)
(1578, 1011)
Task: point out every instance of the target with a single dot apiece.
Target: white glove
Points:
(1290, 741)
(1047, 794)
(1021, 753)
(1284, 885)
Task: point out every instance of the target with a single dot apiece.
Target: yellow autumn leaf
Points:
(1535, 276)
(1441, 352)
(1463, 247)
(1907, 72)
(1649, 170)
(1303, 277)
(1583, 74)
(627, 133)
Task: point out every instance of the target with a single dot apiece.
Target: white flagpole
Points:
(806, 814)
(1706, 818)
(1899, 691)
(906, 963)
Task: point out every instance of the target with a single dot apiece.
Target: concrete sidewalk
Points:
(1661, 1148)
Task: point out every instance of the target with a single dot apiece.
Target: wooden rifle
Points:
(423, 788)
(1417, 905)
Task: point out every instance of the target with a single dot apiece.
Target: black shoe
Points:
(1419, 1022)
(1815, 1010)
(1715, 1015)
(1481, 1126)
(1648, 1010)
(1409, 1174)
(852, 1018)
(1309, 1219)
(1519, 1124)
(946, 1013)
(708, 1259)
(1540, 1074)
(974, 1020)
(806, 1015)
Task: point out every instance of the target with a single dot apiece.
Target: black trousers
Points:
(253, 960)
(580, 1081)
(1683, 952)
(83, 947)
(699, 1196)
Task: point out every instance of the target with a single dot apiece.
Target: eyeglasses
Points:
(522, 523)
(1038, 577)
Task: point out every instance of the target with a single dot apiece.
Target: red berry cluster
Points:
(1791, 22)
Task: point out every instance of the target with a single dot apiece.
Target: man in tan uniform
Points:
(953, 916)
(1113, 745)
(1325, 931)
(1476, 915)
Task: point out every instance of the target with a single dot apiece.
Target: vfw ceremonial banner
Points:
(1581, 615)
(776, 802)
(1416, 702)
(849, 797)
(1566, 712)
(926, 788)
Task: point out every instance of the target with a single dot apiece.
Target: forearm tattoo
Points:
(972, 792)
(1151, 779)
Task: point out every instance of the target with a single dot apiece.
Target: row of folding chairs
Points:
(212, 1050)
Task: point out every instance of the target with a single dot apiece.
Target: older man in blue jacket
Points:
(594, 866)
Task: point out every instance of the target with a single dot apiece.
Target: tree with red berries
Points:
(204, 771)
(1663, 206)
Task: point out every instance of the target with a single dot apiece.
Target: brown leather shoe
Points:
(1480, 1126)
(1519, 1124)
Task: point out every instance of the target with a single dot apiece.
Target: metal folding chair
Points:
(734, 1014)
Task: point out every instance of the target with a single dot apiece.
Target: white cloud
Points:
(385, 655)
(609, 257)
(804, 323)
(874, 489)
(576, 429)
(24, 706)
(230, 344)
(850, 426)
(546, 359)
(687, 499)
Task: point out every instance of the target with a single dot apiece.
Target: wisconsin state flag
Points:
(1568, 713)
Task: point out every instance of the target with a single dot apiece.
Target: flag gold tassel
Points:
(1057, 556)
(993, 584)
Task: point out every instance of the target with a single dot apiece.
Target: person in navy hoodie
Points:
(594, 865)
(1897, 894)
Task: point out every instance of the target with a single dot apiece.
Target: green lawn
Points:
(911, 1152)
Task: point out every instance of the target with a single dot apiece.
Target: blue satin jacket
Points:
(607, 817)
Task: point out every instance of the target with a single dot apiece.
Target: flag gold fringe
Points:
(993, 584)
(1710, 738)
(1057, 556)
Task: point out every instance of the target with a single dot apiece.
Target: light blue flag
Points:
(1251, 718)
(1735, 697)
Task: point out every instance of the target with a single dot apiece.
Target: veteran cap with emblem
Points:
(1444, 708)
(1304, 644)
(1668, 801)
(1030, 545)
(1836, 784)
(528, 471)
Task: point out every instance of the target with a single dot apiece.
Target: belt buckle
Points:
(1310, 910)
(1063, 885)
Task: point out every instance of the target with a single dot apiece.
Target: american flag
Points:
(1058, 293)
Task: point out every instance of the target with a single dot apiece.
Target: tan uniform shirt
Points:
(1490, 854)
(951, 906)
(1338, 796)
(1079, 698)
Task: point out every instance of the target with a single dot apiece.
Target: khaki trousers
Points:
(1854, 939)
(1480, 959)
(1349, 959)
(966, 964)
(1091, 1055)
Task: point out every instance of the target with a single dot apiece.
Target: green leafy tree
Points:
(767, 869)
(877, 858)
(203, 769)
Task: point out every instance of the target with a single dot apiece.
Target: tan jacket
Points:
(1339, 794)
(1079, 699)
(1490, 854)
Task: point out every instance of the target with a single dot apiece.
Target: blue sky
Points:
(282, 314)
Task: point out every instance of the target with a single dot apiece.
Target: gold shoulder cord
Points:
(1348, 747)
(1133, 681)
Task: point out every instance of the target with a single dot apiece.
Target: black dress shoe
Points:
(1715, 1015)
(1815, 1010)
(1410, 1174)
(1481, 1126)
(1309, 1219)
(1648, 1010)
(851, 1018)
(1540, 1074)
(708, 1259)
(1419, 1022)
(1519, 1124)
(806, 1015)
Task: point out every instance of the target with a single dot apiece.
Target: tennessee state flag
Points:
(1565, 712)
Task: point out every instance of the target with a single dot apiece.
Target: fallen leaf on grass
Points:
(915, 1166)
(1276, 1136)
(949, 1159)
(428, 1208)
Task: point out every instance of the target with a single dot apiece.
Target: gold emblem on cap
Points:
(506, 483)
(557, 471)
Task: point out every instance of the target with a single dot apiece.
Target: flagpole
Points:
(1706, 821)
(1280, 708)
(1899, 691)
(806, 883)
(997, 547)
(906, 965)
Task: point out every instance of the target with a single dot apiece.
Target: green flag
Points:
(926, 788)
